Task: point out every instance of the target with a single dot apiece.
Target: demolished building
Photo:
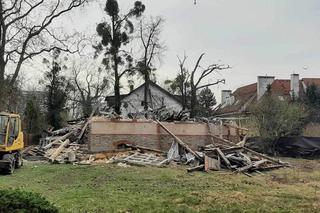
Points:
(110, 134)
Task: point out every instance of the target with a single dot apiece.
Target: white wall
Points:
(159, 99)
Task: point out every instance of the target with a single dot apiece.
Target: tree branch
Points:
(211, 84)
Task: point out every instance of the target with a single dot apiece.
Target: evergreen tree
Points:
(115, 34)
(206, 101)
(57, 89)
(32, 117)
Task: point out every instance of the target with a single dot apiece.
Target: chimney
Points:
(131, 87)
(225, 95)
(263, 82)
(294, 86)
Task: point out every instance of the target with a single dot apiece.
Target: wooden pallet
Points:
(143, 159)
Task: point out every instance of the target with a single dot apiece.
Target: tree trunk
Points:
(146, 90)
(2, 70)
(3, 95)
(184, 98)
(117, 106)
(193, 102)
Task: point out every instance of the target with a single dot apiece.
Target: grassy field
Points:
(110, 188)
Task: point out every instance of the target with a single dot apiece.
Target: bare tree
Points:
(183, 80)
(197, 84)
(152, 48)
(181, 84)
(91, 84)
(25, 32)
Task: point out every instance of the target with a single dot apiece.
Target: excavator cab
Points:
(11, 142)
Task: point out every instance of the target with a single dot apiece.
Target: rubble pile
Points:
(69, 145)
(66, 145)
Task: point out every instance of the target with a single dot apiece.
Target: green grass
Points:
(109, 188)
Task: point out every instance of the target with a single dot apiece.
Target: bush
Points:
(278, 118)
(21, 201)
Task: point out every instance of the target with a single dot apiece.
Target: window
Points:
(13, 130)
(3, 128)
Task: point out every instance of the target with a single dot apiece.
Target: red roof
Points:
(310, 81)
(247, 94)
(280, 87)
(246, 90)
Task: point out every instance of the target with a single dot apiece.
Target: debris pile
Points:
(68, 145)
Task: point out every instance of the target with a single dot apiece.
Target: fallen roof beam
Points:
(180, 142)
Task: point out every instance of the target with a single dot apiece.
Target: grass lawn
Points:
(110, 188)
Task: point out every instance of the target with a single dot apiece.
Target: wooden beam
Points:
(84, 127)
(62, 138)
(220, 153)
(251, 151)
(180, 142)
(145, 148)
(59, 150)
(196, 168)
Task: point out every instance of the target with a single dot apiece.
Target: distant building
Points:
(286, 89)
(133, 102)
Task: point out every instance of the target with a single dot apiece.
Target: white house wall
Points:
(159, 99)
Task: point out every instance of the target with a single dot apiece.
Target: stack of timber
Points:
(63, 145)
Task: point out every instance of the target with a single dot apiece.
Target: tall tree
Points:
(57, 88)
(206, 102)
(90, 84)
(114, 35)
(197, 83)
(181, 84)
(33, 118)
(25, 32)
(152, 47)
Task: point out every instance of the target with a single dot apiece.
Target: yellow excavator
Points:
(11, 142)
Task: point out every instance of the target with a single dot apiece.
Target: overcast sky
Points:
(255, 37)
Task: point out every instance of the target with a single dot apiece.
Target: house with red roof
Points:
(238, 102)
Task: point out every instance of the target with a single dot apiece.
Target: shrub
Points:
(278, 118)
(21, 201)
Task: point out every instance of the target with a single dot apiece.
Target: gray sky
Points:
(255, 37)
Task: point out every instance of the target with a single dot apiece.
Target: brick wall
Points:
(107, 135)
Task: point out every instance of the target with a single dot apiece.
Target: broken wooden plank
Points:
(260, 162)
(85, 126)
(144, 148)
(245, 168)
(180, 142)
(228, 164)
(27, 149)
(211, 164)
(196, 168)
(58, 150)
(265, 156)
(252, 151)
(62, 138)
